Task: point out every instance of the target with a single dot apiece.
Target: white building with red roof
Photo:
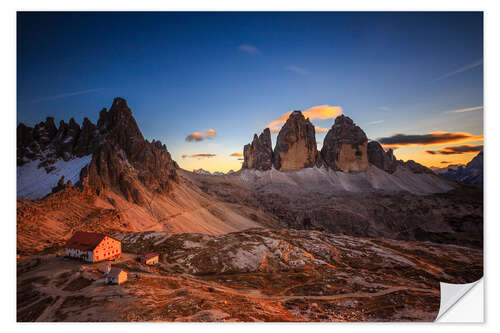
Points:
(93, 247)
(149, 258)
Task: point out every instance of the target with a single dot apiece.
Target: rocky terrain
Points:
(347, 233)
(353, 207)
(255, 275)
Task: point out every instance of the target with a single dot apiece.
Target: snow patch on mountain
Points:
(33, 182)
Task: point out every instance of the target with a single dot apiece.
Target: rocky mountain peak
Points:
(122, 160)
(118, 114)
(44, 132)
(123, 145)
(119, 127)
(415, 167)
(471, 173)
(476, 162)
(259, 154)
(347, 131)
(119, 111)
(380, 158)
(345, 146)
(296, 144)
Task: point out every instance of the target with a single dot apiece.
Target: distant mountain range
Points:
(471, 173)
(208, 173)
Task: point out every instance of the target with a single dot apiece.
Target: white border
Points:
(7, 132)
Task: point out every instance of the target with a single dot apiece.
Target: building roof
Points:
(115, 271)
(149, 255)
(85, 241)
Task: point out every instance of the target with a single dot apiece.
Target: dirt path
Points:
(254, 293)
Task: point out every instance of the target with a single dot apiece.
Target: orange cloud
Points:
(316, 112)
(236, 154)
(197, 136)
(429, 139)
(320, 129)
(210, 133)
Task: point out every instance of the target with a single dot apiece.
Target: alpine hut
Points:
(93, 247)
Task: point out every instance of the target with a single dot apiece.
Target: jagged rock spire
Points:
(296, 144)
(259, 154)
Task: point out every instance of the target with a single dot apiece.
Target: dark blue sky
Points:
(236, 72)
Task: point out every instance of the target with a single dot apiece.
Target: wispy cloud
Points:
(297, 69)
(464, 149)
(199, 156)
(461, 69)
(197, 136)
(316, 112)
(429, 139)
(474, 108)
(249, 49)
(236, 155)
(375, 122)
(384, 108)
(65, 95)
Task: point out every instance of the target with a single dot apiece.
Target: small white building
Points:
(150, 258)
(115, 275)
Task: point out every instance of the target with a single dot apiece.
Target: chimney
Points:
(108, 269)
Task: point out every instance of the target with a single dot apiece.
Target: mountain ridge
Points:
(128, 184)
(345, 148)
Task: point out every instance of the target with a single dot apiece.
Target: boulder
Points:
(296, 144)
(345, 146)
